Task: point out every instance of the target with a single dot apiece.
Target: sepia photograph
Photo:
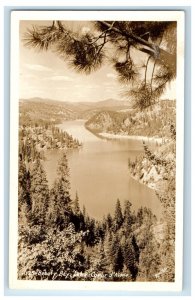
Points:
(96, 160)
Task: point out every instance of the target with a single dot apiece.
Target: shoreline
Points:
(133, 137)
(151, 186)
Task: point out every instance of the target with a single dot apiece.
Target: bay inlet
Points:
(99, 172)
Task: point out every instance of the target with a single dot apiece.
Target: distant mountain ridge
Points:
(57, 110)
(107, 102)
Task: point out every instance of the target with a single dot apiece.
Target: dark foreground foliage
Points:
(59, 241)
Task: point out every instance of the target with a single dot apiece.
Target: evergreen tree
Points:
(118, 260)
(84, 212)
(100, 230)
(24, 193)
(131, 257)
(108, 241)
(114, 244)
(127, 217)
(39, 193)
(109, 222)
(63, 173)
(136, 248)
(76, 207)
(140, 216)
(118, 216)
(60, 201)
(76, 217)
(90, 238)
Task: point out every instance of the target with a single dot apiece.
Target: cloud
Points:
(111, 75)
(60, 78)
(65, 88)
(108, 84)
(86, 86)
(39, 68)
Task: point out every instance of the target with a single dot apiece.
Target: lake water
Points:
(99, 172)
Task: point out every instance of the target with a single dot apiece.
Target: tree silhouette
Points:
(60, 210)
(76, 207)
(131, 257)
(39, 193)
(118, 216)
(118, 260)
(127, 217)
(24, 193)
(120, 42)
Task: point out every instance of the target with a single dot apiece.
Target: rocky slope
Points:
(152, 122)
(155, 168)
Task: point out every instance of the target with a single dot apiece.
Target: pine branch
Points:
(154, 50)
(42, 38)
(127, 35)
(146, 68)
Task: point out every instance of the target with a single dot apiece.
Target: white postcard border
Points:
(17, 16)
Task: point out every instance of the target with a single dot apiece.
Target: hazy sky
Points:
(45, 75)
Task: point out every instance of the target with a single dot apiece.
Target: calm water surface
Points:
(99, 172)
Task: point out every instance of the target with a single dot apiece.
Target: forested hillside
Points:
(38, 132)
(37, 109)
(157, 169)
(34, 140)
(154, 121)
(59, 241)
